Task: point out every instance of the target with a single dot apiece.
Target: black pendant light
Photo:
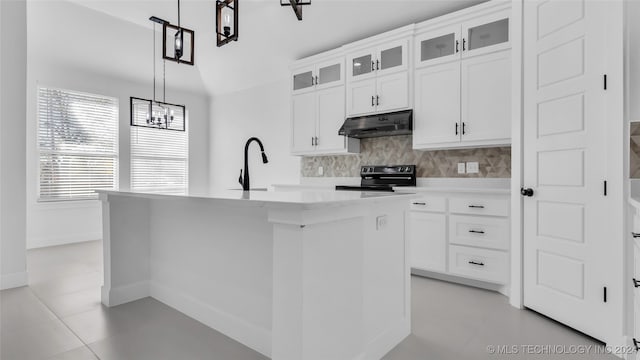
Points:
(226, 21)
(183, 41)
(296, 5)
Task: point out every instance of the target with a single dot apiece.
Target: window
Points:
(159, 158)
(78, 144)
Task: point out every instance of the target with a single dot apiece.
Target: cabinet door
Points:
(392, 92)
(361, 65)
(361, 97)
(331, 115)
(303, 80)
(437, 47)
(330, 73)
(486, 34)
(392, 57)
(436, 115)
(486, 98)
(428, 241)
(303, 121)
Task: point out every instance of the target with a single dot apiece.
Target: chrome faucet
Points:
(244, 180)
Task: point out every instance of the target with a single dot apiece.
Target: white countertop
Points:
(435, 189)
(303, 199)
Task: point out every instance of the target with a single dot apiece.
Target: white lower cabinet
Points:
(464, 235)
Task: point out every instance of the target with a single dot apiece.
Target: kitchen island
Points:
(293, 275)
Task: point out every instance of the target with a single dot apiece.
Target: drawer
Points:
(636, 222)
(479, 205)
(480, 264)
(479, 231)
(429, 203)
(636, 316)
(636, 261)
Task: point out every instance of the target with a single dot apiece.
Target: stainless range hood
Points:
(388, 124)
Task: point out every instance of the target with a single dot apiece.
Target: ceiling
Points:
(116, 36)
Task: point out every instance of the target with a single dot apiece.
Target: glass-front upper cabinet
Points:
(487, 34)
(330, 73)
(438, 46)
(386, 58)
(303, 79)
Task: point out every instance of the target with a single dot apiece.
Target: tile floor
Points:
(59, 316)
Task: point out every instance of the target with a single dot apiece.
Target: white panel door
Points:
(486, 97)
(392, 92)
(361, 97)
(303, 121)
(567, 253)
(436, 120)
(331, 112)
(428, 241)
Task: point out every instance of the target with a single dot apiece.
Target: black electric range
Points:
(383, 178)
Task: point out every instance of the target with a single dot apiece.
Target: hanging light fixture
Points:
(226, 21)
(296, 5)
(183, 41)
(153, 113)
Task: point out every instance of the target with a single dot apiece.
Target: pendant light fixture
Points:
(183, 41)
(296, 5)
(153, 113)
(226, 21)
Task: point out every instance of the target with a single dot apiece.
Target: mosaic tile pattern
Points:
(396, 150)
(634, 154)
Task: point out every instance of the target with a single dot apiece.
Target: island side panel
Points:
(213, 262)
(125, 222)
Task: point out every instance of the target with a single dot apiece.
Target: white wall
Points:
(13, 58)
(64, 222)
(263, 112)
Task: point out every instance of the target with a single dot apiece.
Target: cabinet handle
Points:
(476, 206)
(464, 128)
(312, 143)
(373, 66)
(464, 43)
(457, 45)
(377, 100)
(317, 83)
(636, 283)
(373, 99)
(316, 141)
(635, 235)
(476, 263)
(312, 81)
(476, 231)
(420, 203)
(636, 344)
(457, 128)
(377, 64)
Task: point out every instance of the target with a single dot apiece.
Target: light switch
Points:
(461, 168)
(320, 171)
(472, 167)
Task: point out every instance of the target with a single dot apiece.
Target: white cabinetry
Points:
(461, 234)
(463, 81)
(635, 278)
(378, 75)
(318, 108)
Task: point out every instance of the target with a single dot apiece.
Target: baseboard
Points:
(248, 334)
(502, 289)
(124, 294)
(14, 280)
(385, 342)
(39, 242)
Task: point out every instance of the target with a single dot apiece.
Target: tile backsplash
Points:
(397, 150)
(634, 154)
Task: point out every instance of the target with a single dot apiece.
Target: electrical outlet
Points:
(472, 167)
(461, 168)
(381, 222)
(320, 171)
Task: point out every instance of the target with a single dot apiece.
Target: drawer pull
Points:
(476, 231)
(476, 263)
(636, 283)
(476, 206)
(636, 344)
(420, 203)
(635, 235)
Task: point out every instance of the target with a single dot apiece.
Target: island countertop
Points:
(302, 199)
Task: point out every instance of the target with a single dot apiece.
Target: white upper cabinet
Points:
(462, 87)
(318, 109)
(380, 60)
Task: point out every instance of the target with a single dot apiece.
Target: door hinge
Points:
(605, 294)
(605, 81)
(605, 188)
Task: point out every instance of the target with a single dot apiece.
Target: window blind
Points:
(160, 159)
(78, 144)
